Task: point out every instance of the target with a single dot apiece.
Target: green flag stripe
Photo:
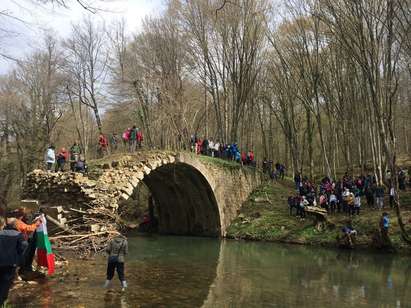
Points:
(43, 242)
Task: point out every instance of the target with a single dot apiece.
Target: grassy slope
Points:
(228, 164)
(269, 220)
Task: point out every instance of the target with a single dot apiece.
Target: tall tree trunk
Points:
(310, 139)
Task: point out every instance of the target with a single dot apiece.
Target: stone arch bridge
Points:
(195, 195)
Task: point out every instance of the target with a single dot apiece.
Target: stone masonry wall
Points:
(120, 175)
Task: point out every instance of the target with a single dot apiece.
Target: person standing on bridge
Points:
(62, 158)
(126, 137)
(50, 158)
(75, 152)
(103, 145)
(116, 250)
(139, 137)
(114, 142)
(133, 139)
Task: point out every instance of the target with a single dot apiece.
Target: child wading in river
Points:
(116, 250)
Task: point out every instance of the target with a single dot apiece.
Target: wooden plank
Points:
(58, 224)
(316, 211)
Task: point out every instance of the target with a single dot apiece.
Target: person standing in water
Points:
(116, 250)
(29, 234)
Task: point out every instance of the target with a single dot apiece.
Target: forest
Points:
(322, 86)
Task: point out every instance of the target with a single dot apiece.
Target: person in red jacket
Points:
(252, 156)
(103, 144)
(139, 138)
(244, 158)
(62, 158)
(199, 145)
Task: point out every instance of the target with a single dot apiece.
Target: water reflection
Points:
(198, 272)
(264, 275)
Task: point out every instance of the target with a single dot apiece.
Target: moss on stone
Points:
(219, 162)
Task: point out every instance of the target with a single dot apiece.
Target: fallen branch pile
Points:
(82, 213)
(81, 231)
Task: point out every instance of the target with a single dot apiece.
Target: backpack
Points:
(126, 135)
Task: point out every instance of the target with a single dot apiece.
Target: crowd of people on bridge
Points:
(230, 151)
(57, 160)
(132, 139)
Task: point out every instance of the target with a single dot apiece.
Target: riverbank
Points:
(265, 217)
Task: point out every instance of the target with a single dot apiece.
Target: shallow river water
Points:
(167, 271)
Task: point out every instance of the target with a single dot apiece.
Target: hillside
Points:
(265, 216)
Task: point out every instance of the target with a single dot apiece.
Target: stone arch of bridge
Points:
(185, 201)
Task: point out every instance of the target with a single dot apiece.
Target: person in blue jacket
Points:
(12, 246)
(385, 223)
(234, 151)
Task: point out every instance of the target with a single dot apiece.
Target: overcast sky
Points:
(30, 20)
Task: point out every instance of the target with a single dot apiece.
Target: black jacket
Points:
(12, 246)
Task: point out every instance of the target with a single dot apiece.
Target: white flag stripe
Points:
(43, 226)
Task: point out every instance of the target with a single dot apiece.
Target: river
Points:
(167, 271)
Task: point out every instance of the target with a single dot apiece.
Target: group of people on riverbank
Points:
(206, 146)
(57, 160)
(341, 196)
(17, 248)
(19, 243)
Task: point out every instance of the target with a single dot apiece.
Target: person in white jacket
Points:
(211, 147)
(50, 158)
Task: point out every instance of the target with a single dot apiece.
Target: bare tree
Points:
(34, 92)
(86, 65)
(365, 29)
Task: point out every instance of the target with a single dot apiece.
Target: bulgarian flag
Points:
(45, 256)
